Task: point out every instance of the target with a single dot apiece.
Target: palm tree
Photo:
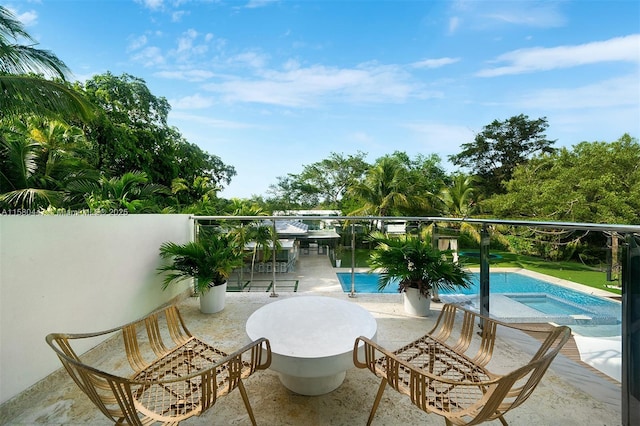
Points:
(241, 232)
(18, 176)
(457, 199)
(263, 236)
(130, 192)
(38, 158)
(22, 90)
(384, 189)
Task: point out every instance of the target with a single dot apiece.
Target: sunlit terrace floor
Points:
(569, 394)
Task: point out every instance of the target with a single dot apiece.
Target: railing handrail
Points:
(604, 227)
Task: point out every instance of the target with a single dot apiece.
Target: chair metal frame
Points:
(174, 375)
(445, 372)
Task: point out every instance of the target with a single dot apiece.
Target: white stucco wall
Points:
(75, 274)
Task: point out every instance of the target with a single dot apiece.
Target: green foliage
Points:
(209, 260)
(424, 172)
(457, 200)
(390, 189)
(416, 264)
(291, 192)
(125, 157)
(350, 184)
(595, 182)
(131, 192)
(330, 178)
(38, 159)
(132, 134)
(500, 147)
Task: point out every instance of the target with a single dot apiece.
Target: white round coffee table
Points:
(312, 339)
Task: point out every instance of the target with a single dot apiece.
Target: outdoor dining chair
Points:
(171, 375)
(445, 372)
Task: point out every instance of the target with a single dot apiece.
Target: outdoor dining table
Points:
(312, 339)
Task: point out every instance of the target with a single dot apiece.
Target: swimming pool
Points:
(517, 298)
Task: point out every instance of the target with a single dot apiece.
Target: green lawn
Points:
(571, 271)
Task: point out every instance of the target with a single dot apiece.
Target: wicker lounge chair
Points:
(172, 375)
(445, 373)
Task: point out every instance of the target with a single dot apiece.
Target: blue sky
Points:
(270, 86)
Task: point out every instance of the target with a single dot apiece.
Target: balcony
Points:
(571, 390)
(78, 274)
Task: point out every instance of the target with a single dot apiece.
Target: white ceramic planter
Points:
(338, 263)
(415, 303)
(213, 300)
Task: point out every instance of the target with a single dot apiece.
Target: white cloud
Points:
(521, 61)
(616, 92)
(295, 86)
(435, 63)
(190, 44)
(177, 16)
(487, 14)
(208, 121)
(151, 4)
(454, 23)
(253, 4)
(149, 56)
(137, 43)
(188, 75)
(444, 139)
(196, 101)
(28, 18)
(529, 14)
(185, 42)
(252, 59)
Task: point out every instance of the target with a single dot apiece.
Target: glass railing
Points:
(351, 230)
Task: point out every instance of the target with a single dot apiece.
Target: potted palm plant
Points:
(209, 261)
(416, 267)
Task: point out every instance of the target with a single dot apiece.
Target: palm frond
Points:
(11, 27)
(20, 94)
(31, 198)
(24, 59)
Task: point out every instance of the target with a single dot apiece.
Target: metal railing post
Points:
(631, 332)
(353, 261)
(273, 260)
(484, 270)
(435, 237)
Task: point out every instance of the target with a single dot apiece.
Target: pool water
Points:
(548, 305)
(539, 298)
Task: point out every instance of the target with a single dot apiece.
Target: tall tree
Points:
(385, 190)
(22, 88)
(133, 134)
(595, 182)
(331, 177)
(291, 192)
(425, 176)
(500, 147)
